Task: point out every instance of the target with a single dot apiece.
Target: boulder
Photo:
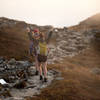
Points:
(12, 61)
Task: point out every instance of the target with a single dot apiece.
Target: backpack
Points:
(42, 49)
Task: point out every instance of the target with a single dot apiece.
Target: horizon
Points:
(49, 12)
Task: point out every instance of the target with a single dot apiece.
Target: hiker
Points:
(42, 52)
(31, 41)
(34, 38)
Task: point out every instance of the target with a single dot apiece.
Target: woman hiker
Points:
(42, 52)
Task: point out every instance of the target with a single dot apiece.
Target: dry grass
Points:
(14, 43)
(79, 83)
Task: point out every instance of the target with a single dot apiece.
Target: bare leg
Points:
(45, 69)
(40, 68)
(36, 64)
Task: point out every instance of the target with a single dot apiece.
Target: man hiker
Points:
(34, 38)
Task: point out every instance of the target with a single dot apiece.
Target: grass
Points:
(79, 83)
(14, 43)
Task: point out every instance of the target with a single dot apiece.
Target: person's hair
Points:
(42, 37)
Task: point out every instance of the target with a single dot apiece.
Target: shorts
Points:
(42, 58)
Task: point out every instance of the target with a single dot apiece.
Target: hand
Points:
(28, 29)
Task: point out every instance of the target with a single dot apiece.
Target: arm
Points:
(28, 29)
(49, 37)
(31, 48)
(48, 50)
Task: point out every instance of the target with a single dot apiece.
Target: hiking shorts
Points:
(42, 58)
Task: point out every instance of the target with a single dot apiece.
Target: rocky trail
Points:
(20, 79)
(69, 43)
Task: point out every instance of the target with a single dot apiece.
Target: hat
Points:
(36, 30)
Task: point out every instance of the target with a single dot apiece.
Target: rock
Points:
(21, 79)
(12, 61)
(59, 78)
(1, 86)
(96, 71)
(23, 64)
(14, 98)
(3, 82)
(1, 60)
(20, 84)
(5, 93)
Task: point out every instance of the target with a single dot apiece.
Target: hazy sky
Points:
(49, 12)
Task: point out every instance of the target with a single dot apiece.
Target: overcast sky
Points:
(58, 13)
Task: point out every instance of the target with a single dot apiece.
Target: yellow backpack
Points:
(42, 49)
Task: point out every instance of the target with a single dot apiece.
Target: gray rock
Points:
(1, 60)
(21, 79)
(96, 71)
(24, 63)
(12, 61)
(59, 78)
(14, 98)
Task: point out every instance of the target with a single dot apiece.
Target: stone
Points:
(12, 61)
(5, 93)
(96, 71)
(59, 78)
(20, 84)
(1, 86)
(1, 60)
(14, 98)
(21, 79)
(2, 81)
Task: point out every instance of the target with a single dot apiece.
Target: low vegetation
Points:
(79, 82)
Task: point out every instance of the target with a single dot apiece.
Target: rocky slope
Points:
(14, 41)
(93, 21)
(20, 79)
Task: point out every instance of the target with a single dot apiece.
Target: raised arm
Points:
(28, 29)
(49, 35)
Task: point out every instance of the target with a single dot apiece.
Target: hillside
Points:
(92, 22)
(14, 40)
(14, 37)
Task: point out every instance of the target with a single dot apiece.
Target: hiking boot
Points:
(41, 78)
(37, 73)
(45, 80)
